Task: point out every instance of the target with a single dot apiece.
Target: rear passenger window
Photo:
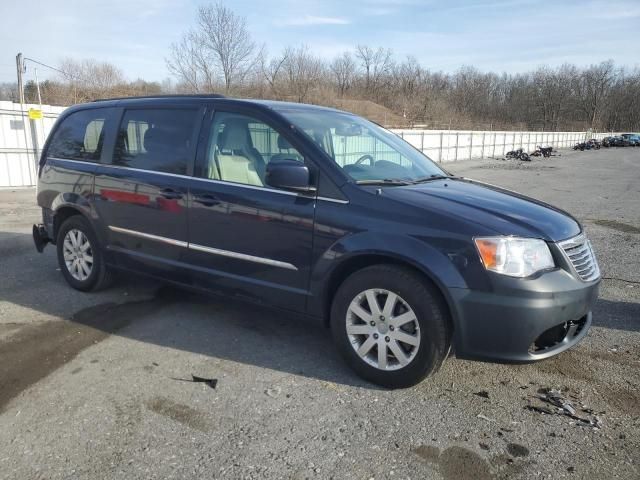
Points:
(156, 139)
(80, 136)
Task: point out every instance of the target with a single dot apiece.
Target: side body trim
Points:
(202, 248)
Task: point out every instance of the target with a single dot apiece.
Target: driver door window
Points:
(240, 147)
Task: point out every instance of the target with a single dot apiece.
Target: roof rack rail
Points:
(190, 95)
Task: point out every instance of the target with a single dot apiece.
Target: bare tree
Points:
(622, 108)
(9, 91)
(302, 70)
(191, 62)
(273, 72)
(226, 35)
(592, 86)
(91, 73)
(219, 48)
(376, 65)
(89, 79)
(343, 69)
(219, 53)
(552, 93)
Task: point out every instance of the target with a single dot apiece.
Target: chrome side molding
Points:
(202, 248)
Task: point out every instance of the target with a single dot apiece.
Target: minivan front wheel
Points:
(79, 255)
(390, 325)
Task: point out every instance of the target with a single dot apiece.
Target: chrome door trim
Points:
(83, 162)
(202, 248)
(251, 187)
(148, 236)
(242, 256)
(334, 200)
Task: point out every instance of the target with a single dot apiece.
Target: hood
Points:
(503, 211)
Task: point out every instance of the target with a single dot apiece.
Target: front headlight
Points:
(513, 256)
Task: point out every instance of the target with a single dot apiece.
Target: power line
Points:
(66, 74)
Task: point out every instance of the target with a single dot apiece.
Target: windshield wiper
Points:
(386, 181)
(436, 176)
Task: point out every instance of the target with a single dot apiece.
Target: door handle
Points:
(206, 200)
(171, 194)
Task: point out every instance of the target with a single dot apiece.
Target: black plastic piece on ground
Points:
(212, 382)
(40, 238)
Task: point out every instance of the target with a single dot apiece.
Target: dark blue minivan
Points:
(318, 212)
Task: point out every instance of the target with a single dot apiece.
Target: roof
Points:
(271, 104)
(195, 95)
(278, 107)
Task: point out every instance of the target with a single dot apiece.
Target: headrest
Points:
(234, 136)
(152, 140)
(283, 143)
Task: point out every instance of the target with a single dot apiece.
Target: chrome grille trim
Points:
(579, 253)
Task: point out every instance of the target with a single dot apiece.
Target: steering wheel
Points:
(366, 157)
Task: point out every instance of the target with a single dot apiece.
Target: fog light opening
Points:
(555, 336)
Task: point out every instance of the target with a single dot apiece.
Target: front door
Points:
(246, 238)
(141, 197)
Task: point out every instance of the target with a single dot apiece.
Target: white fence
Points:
(21, 141)
(451, 145)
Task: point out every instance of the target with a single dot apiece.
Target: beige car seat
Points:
(234, 156)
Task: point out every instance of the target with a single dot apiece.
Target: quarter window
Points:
(156, 139)
(240, 147)
(80, 136)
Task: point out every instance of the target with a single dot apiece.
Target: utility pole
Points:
(28, 146)
(20, 67)
(35, 71)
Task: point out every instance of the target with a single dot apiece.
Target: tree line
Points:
(219, 55)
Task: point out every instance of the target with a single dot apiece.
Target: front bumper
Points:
(523, 320)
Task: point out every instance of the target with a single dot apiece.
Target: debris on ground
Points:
(273, 392)
(212, 382)
(484, 417)
(545, 152)
(517, 450)
(552, 402)
(518, 154)
(482, 393)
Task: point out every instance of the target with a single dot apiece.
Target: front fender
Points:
(436, 264)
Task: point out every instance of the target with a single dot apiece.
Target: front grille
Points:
(580, 254)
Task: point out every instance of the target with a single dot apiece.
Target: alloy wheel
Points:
(383, 329)
(78, 254)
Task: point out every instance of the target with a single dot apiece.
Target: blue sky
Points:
(497, 35)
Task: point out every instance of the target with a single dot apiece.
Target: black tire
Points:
(100, 276)
(430, 312)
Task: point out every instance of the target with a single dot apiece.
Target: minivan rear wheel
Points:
(80, 257)
(390, 325)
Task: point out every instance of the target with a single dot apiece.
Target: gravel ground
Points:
(92, 385)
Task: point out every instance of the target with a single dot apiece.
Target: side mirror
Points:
(289, 175)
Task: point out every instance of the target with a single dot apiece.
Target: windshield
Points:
(365, 151)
